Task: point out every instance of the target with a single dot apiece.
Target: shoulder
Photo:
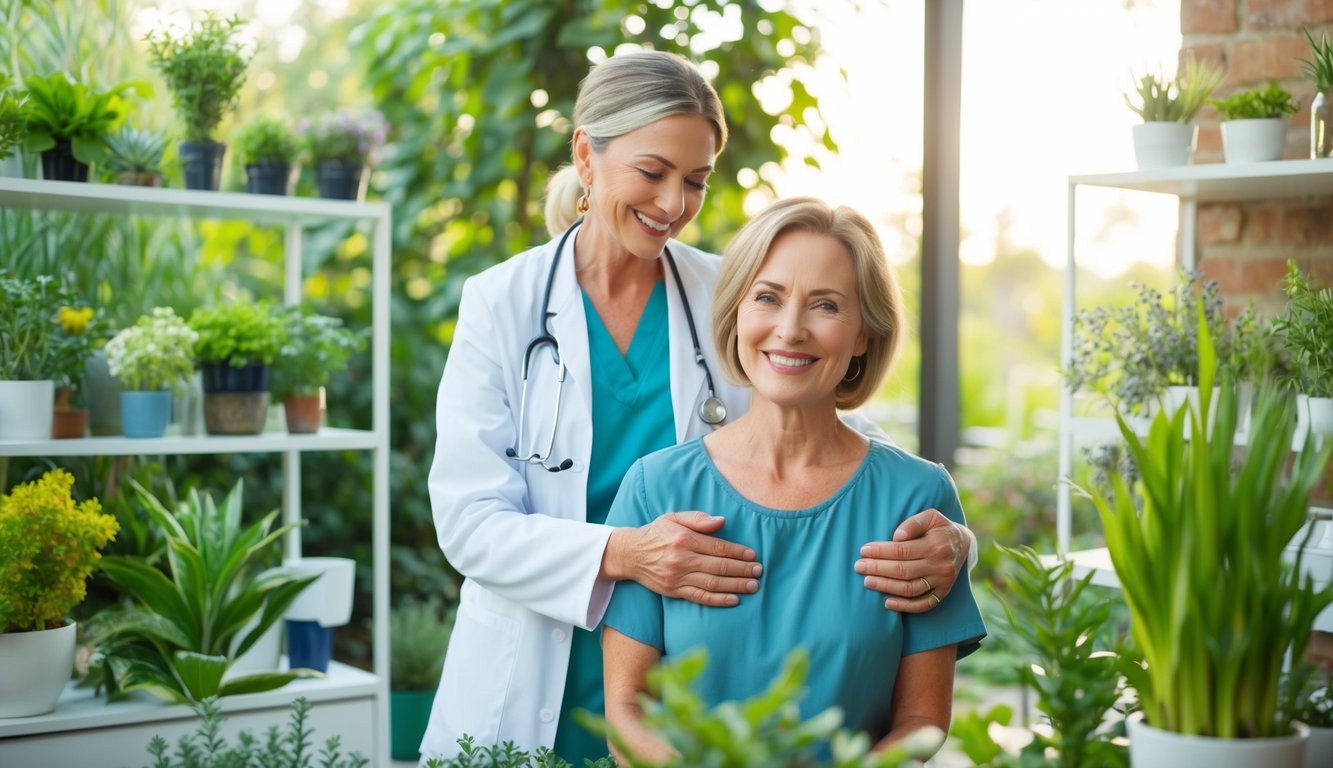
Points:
(519, 269)
(904, 467)
(695, 266)
(666, 464)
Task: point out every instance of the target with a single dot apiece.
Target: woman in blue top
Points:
(808, 313)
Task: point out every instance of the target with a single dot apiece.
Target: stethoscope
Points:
(711, 411)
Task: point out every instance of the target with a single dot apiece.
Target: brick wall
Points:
(1245, 247)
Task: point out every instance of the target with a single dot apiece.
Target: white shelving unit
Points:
(351, 703)
(1191, 185)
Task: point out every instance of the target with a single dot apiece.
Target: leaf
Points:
(199, 674)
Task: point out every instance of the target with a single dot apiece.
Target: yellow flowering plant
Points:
(49, 544)
(73, 347)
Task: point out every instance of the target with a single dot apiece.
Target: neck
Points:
(606, 269)
(794, 437)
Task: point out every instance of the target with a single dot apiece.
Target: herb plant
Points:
(49, 544)
(133, 150)
(1178, 100)
(204, 69)
(1198, 544)
(13, 121)
(266, 139)
(348, 136)
(1311, 691)
(508, 755)
(1307, 331)
(155, 353)
(174, 641)
(58, 109)
(418, 634)
(1259, 103)
(291, 748)
(314, 348)
(1319, 67)
(32, 338)
(238, 334)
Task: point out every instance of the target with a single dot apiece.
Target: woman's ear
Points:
(583, 157)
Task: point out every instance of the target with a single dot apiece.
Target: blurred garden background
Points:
(823, 98)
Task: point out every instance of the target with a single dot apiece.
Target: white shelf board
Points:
(79, 708)
(90, 197)
(327, 439)
(1098, 561)
(1222, 182)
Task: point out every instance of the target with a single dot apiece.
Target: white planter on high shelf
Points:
(34, 667)
(1151, 747)
(328, 599)
(1161, 144)
(27, 409)
(1254, 141)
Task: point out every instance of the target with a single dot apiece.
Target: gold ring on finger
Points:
(928, 588)
(937, 598)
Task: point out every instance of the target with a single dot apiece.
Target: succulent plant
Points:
(133, 150)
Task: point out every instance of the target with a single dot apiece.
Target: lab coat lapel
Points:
(570, 329)
(687, 378)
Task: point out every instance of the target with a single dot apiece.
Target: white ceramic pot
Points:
(34, 668)
(27, 409)
(1178, 395)
(1254, 141)
(1163, 145)
(1319, 749)
(1320, 413)
(328, 599)
(1151, 747)
(264, 656)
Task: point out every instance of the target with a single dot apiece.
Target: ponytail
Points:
(563, 191)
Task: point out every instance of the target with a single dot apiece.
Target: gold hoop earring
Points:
(850, 377)
(584, 204)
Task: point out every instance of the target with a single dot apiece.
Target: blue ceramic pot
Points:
(145, 414)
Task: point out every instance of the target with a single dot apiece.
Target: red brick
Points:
(1219, 223)
(1277, 57)
(1207, 16)
(1298, 224)
(1276, 14)
(1318, 11)
(1209, 147)
(1245, 275)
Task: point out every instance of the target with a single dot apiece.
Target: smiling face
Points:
(646, 184)
(799, 325)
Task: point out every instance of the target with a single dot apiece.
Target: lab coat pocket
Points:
(478, 668)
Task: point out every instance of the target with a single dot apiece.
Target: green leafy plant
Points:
(58, 109)
(174, 641)
(49, 544)
(13, 119)
(290, 748)
(81, 331)
(32, 339)
(1258, 103)
(133, 150)
(418, 633)
(1319, 67)
(348, 136)
(508, 755)
(155, 353)
(314, 348)
(1306, 328)
(266, 139)
(238, 334)
(1311, 694)
(1133, 352)
(1198, 546)
(1060, 623)
(204, 69)
(766, 730)
(1175, 100)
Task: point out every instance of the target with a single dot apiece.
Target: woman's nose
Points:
(672, 200)
(791, 323)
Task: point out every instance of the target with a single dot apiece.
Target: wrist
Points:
(615, 564)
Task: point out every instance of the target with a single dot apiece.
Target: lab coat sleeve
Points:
(482, 506)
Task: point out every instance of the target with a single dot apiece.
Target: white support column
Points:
(292, 290)
(382, 246)
(1063, 513)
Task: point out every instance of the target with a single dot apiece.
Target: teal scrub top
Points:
(631, 417)
(810, 595)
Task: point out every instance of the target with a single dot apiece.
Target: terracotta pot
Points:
(304, 414)
(136, 179)
(69, 424)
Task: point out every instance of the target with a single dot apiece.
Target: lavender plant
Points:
(347, 136)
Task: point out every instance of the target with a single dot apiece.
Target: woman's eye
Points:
(650, 175)
(826, 306)
(699, 185)
(765, 298)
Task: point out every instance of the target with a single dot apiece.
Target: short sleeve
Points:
(956, 619)
(635, 611)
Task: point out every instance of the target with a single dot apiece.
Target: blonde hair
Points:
(620, 95)
(876, 287)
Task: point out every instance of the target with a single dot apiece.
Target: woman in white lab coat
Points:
(532, 444)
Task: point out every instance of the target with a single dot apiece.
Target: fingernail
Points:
(752, 586)
(732, 600)
(866, 581)
(865, 550)
(749, 554)
(715, 518)
(861, 566)
(757, 571)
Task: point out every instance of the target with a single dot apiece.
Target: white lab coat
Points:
(515, 531)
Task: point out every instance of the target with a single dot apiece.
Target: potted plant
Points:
(1312, 689)
(1198, 545)
(151, 359)
(69, 359)
(175, 640)
(67, 122)
(267, 147)
(418, 635)
(134, 156)
(49, 544)
(1137, 352)
(1168, 106)
(237, 343)
(30, 338)
(13, 121)
(204, 69)
(325, 606)
(341, 147)
(1254, 123)
(316, 347)
(1319, 68)
(1306, 328)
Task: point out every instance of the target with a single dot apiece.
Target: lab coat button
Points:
(558, 635)
(547, 716)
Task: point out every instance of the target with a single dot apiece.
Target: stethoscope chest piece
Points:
(712, 411)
